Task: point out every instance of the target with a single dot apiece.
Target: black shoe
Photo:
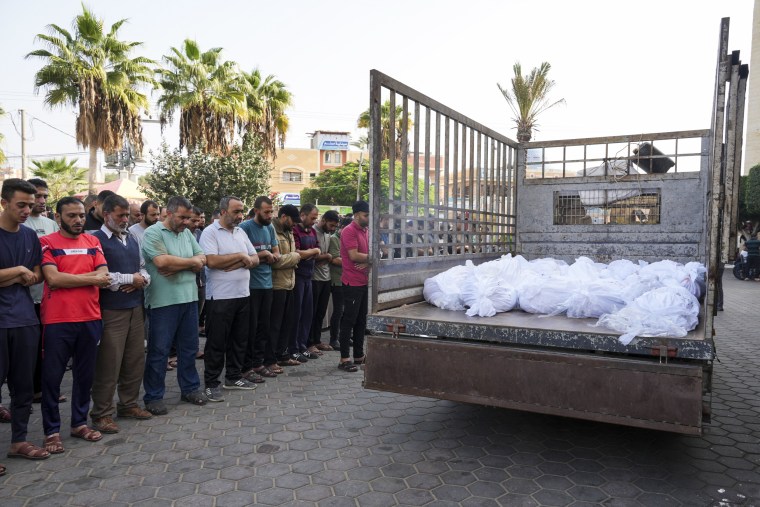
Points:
(301, 358)
(335, 344)
(310, 355)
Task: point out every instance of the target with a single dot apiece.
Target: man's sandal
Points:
(348, 366)
(5, 415)
(53, 445)
(29, 451)
(86, 433)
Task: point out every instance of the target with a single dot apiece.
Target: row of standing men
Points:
(265, 297)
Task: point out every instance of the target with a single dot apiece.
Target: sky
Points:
(622, 67)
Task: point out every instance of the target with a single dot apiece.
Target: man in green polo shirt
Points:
(172, 258)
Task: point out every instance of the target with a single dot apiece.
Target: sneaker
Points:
(240, 383)
(214, 393)
(309, 355)
(156, 407)
(195, 397)
(301, 358)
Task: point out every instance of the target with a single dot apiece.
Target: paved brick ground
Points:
(315, 437)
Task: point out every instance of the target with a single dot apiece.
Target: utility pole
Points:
(359, 178)
(24, 175)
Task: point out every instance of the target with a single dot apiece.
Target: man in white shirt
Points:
(150, 212)
(43, 226)
(229, 255)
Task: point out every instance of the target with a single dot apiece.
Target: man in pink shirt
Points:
(354, 250)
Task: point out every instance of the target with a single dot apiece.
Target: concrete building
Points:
(296, 168)
(752, 132)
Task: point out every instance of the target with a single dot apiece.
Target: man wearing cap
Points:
(354, 252)
(281, 323)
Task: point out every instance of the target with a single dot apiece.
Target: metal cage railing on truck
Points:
(445, 189)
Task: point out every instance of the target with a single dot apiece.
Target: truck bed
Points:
(526, 329)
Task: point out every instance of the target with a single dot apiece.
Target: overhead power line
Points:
(52, 127)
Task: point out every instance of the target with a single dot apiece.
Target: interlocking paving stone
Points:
(313, 436)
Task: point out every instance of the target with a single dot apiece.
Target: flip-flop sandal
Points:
(276, 369)
(86, 433)
(53, 441)
(360, 360)
(5, 415)
(2, 470)
(348, 366)
(29, 451)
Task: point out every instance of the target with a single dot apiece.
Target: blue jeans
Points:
(178, 324)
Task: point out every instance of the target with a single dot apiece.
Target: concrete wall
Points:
(752, 134)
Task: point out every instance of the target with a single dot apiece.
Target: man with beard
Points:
(149, 211)
(95, 215)
(42, 226)
(281, 324)
(230, 255)
(354, 253)
(308, 248)
(121, 356)
(19, 327)
(74, 268)
(320, 281)
(260, 360)
(135, 215)
(172, 258)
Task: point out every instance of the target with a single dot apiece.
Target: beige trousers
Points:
(120, 363)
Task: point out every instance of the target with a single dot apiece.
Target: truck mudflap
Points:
(631, 392)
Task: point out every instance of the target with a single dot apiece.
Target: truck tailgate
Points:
(633, 392)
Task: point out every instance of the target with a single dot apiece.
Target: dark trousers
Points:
(260, 348)
(202, 306)
(281, 322)
(38, 364)
(18, 353)
(751, 266)
(337, 313)
(303, 310)
(171, 324)
(61, 342)
(354, 321)
(321, 296)
(226, 339)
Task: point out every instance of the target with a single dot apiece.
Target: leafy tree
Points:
(209, 94)
(2, 138)
(205, 177)
(751, 193)
(266, 102)
(362, 143)
(338, 186)
(63, 177)
(528, 97)
(91, 70)
(399, 140)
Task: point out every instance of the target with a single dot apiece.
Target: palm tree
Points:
(362, 143)
(266, 102)
(2, 138)
(63, 177)
(528, 98)
(91, 70)
(209, 94)
(400, 140)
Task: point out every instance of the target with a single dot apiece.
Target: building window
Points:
(292, 176)
(333, 157)
(312, 176)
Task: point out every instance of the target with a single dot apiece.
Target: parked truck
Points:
(446, 189)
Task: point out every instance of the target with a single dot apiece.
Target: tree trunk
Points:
(523, 136)
(93, 172)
